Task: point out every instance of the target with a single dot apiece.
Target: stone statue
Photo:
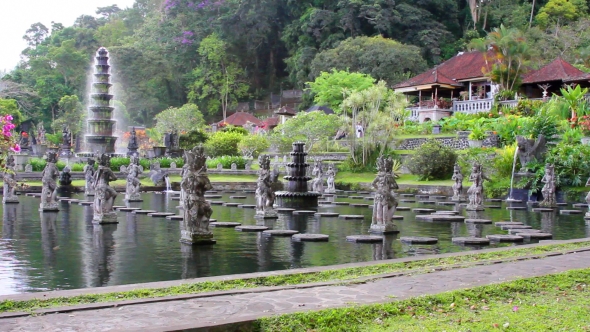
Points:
(158, 175)
(89, 177)
(133, 184)
(196, 210)
(265, 196)
(65, 178)
(475, 192)
(66, 136)
(49, 178)
(10, 182)
(174, 140)
(133, 146)
(458, 185)
(317, 183)
(548, 190)
(331, 175)
(385, 204)
(529, 150)
(587, 216)
(41, 139)
(24, 140)
(105, 195)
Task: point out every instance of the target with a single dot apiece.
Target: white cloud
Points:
(18, 15)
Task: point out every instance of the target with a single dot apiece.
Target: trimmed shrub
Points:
(38, 164)
(192, 139)
(77, 167)
(226, 161)
(432, 161)
(223, 144)
(117, 162)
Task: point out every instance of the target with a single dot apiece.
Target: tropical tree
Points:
(71, 114)
(328, 88)
(574, 98)
(310, 127)
(182, 119)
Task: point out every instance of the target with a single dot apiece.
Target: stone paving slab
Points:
(215, 310)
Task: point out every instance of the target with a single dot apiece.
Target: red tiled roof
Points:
(271, 122)
(556, 70)
(240, 119)
(286, 110)
(464, 65)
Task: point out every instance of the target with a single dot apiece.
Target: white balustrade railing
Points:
(473, 106)
(414, 112)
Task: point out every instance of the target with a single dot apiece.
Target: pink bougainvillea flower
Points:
(15, 148)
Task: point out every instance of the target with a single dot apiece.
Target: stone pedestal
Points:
(49, 207)
(134, 198)
(474, 207)
(266, 214)
(10, 200)
(106, 218)
(20, 160)
(386, 228)
(187, 237)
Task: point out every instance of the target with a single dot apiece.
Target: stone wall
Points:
(458, 143)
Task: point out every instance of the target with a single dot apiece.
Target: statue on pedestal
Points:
(549, 199)
(475, 192)
(105, 195)
(317, 184)
(196, 210)
(65, 180)
(265, 195)
(133, 146)
(10, 182)
(41, 140)
(133, 184)
(331, 175)
(89, 177)
(66, 144)
(385, 204)
(458, 185)
(49, 179)
(24, 141)
(277, 184)
(529, 150)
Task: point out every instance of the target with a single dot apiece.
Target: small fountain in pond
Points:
(89, 177)
(49, 179)
(104, 197)
(475, 192)
(196, 210)
(385, 204)
(331, 180)
(10, 182)
(133, 146)
(265, 195)
(548, 191)
(100, 137)
(527, 150)
(297, 194)
(510, 197)
(458, 185)
(132, 189)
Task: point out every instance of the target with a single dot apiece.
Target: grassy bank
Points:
(557, 302)
(284, 280)
(349, 178)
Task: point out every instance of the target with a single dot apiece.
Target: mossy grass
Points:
(333, 275)
(556, 302)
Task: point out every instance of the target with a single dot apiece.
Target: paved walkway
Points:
(207, 311)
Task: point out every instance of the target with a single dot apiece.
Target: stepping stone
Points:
(144, 211)
(478, 221)
(248, 191)
(176, 217)
(351, 216)
(363, 192)
(502, 223)
(75, 201)
(216, 202)
(505, 238)
(421, 210)
(407, 201)
(284, 209)
(85, 203)
(515, 231)
(304, 212)
(532, 203)
(493, 206)
(418, 240)
(507, 227)
(580, 205)
(561, 204)
(369, 198)
(119, 207)
(403, 208)
(328, 195)
(406, 195)
(208, 196)
(471, 240)
(427, 202)
(516, 208)
(247, 206)
(422, 196)
(571, 212)
(225, 224)
(513, 201)
(311, 237)
(359, 205)
(341, 196)
(440, 217)
(341, 203)
(229, 191)
(237, 197)
(214, 191)
(536, 235)
(231, 204)
(280, 232)
(543, 209)
(178, 198)
(160, 214)
(494, 200)
(355, 197)
(438, 197)
(364, 238)
(449, 213)
(128, 209)
(251, 228)
(397, 217)
(446, 203)
(326, 214)
(349, 191)
(323, 202)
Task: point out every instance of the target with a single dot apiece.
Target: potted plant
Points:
(476, 137)
(157, 140)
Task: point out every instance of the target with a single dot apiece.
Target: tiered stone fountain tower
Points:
(296, 195)
(99, 135)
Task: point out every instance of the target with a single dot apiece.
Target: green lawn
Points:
(557, 302)
(409, 179)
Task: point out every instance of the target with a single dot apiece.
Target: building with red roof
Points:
(239, 119)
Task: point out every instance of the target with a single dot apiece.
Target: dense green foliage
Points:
(192, 139)
(432, 161)
(223, 143)
(226, 161)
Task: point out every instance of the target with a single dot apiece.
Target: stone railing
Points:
(473, 106)
(414, 112)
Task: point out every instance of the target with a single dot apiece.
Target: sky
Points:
(18, 15)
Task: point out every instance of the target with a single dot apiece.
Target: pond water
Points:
(52, 251)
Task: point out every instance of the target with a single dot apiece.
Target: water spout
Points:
(510, 198)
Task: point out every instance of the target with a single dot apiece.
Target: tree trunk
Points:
(532, 12)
